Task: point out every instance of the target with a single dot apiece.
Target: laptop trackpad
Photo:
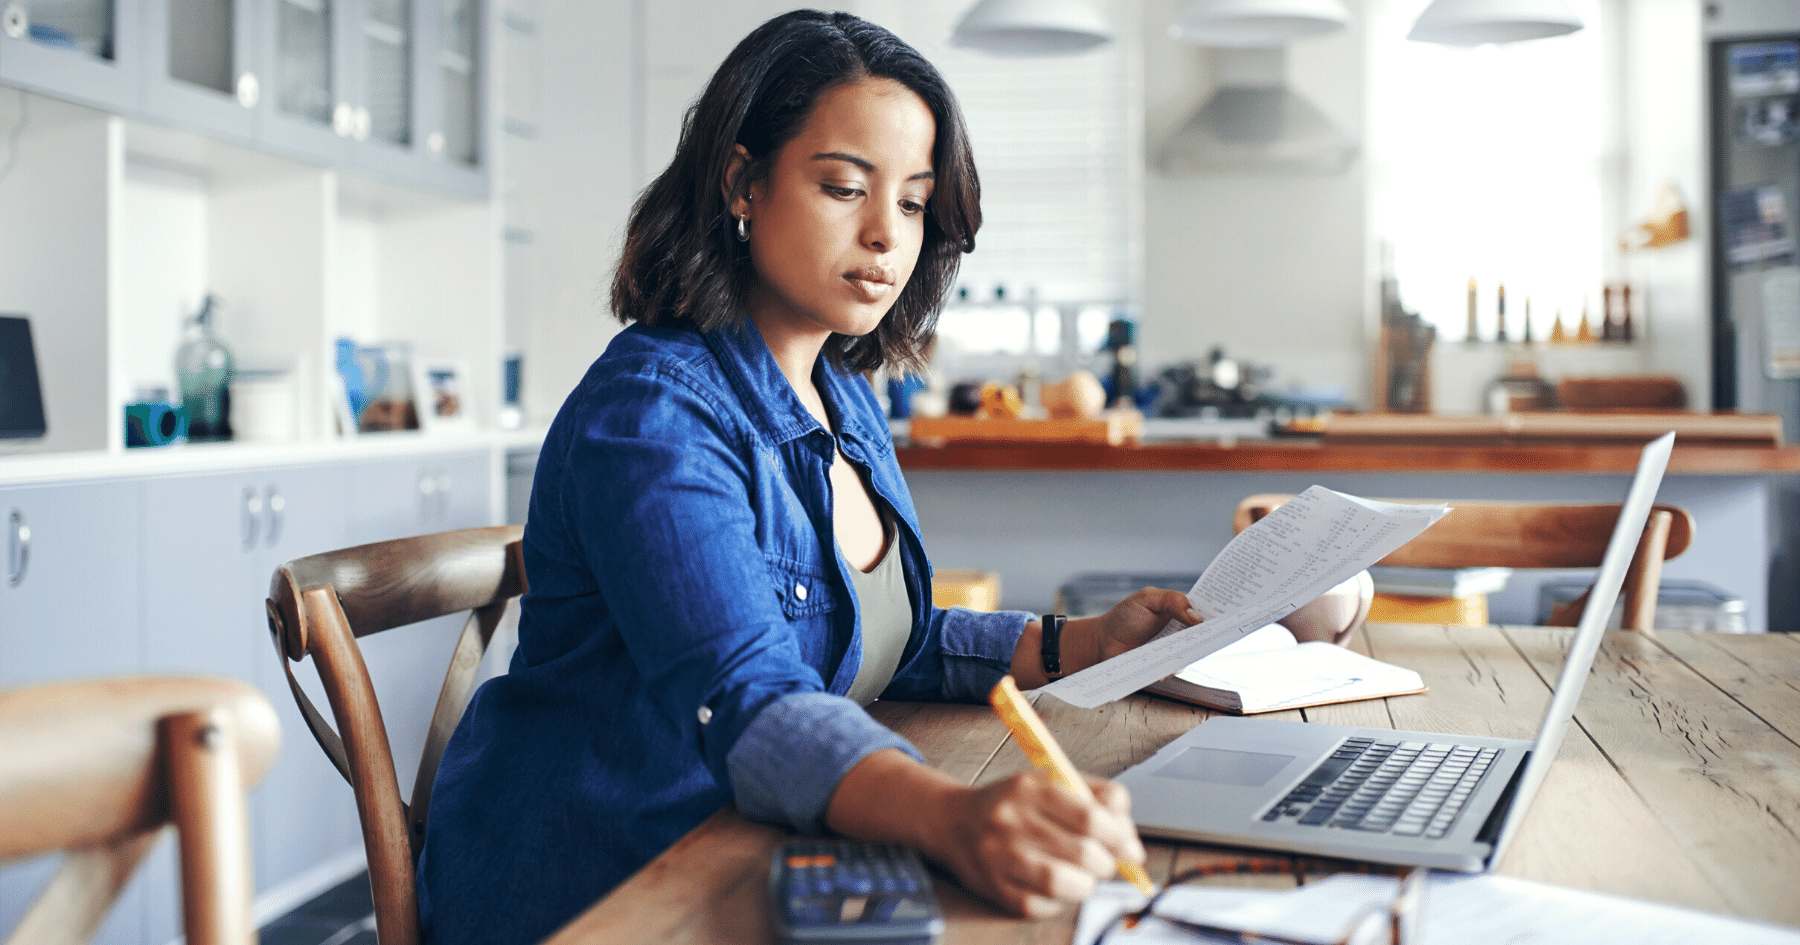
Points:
(1217, 766)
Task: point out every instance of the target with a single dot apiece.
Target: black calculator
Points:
(825, 892)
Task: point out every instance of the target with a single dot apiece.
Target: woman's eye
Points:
(912, 206)
(843, 193)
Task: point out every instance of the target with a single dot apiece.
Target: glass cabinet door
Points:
(84, 27)
(79, 49)
(456, 138)
(385, 112)
(305, 87)
(304, 107)
(200, 59)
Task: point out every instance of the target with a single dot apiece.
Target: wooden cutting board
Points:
(1112, 427)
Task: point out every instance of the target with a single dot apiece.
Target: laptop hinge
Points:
(1490, 831)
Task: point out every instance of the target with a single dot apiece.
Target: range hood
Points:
(1255, 124)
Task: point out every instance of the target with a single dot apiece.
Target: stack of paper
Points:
(1455, 909)
(1284, 561)
(1439, 582)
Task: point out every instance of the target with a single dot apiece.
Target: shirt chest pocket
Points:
(802, 589)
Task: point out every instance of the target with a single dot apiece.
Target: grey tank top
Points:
(887, 620)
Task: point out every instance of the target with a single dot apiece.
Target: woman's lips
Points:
(871, 283)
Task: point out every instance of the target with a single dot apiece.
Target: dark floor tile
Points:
(284, 931)
(347, 901)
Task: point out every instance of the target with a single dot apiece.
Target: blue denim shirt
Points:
(688, 638)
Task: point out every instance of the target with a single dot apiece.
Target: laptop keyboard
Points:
(1408, 789)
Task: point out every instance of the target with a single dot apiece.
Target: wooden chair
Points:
(1529, 535)
(96, 767)
(320, 605)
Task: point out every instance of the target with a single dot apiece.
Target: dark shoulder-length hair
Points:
(683, 263)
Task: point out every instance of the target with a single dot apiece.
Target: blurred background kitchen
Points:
(284, 276)
(1284, 209)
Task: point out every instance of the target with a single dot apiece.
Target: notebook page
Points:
(1306, 674)
(1296, 553)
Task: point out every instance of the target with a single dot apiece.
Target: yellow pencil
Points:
(1023, 722)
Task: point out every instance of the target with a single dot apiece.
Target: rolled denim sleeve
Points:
(977, 649)
(789, 759)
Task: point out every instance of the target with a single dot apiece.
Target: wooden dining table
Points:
(1678, 784)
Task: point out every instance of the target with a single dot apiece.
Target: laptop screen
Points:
(1585, 644)
(21, 396)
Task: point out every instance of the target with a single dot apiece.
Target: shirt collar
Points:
(768, 397)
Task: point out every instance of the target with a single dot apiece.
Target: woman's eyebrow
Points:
(864, 163)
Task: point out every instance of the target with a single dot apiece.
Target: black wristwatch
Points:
(1051, 647)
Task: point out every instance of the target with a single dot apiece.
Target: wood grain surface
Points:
(1680, 782)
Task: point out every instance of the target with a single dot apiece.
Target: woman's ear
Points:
(737, 199)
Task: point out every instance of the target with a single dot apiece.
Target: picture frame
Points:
(441, 391)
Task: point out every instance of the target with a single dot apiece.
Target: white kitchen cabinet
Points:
(166, 572)
(211, 543)
(397, 89)
(90, 51)
(68, 608)
(414, 497)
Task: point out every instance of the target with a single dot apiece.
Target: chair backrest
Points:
(1533, 535)
(319, 605)
(96, 767)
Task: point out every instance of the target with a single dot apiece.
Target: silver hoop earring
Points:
(743, 229)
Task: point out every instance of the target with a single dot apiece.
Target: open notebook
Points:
(1268, 671)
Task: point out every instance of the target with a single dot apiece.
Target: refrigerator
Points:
(1754, 118)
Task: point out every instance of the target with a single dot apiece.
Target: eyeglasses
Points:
(1365, 928)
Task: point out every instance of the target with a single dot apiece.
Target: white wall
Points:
(1278, 270)
(1270, 267)
(1665, 129)
(572, 186)
(59, 176)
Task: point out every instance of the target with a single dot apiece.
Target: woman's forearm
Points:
(1078, 646)
(892, 798)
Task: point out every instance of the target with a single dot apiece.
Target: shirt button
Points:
(705, 715)
(800, 591)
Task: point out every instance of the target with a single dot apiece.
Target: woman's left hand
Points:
(1089, 640)
(1134, 620)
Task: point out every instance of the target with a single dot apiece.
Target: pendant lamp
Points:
(1475, 22)
(1250, 23)
(1032, 27)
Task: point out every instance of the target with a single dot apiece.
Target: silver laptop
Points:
(1410, 798)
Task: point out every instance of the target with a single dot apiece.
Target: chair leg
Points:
(1644, 581)
(206, 802)
(78, 897)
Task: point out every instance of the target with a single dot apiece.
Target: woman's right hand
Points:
(1033, 847)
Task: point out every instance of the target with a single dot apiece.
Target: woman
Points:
(724, 561)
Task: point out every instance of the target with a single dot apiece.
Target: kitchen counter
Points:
(1038, 514)
(1311, 454)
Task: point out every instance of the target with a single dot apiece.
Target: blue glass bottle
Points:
(203, 370)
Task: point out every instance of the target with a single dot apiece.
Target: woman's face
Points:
(836, 226)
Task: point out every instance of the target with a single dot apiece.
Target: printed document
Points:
(1456, 909)
(1296, 553)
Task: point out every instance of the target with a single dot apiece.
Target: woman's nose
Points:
(881, 227)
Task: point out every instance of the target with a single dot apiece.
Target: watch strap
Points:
(1050, 646)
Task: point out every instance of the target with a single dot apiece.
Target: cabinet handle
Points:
(434, 145)
(252, 517)
(428, 486)
(16, 21)
(362, 125)
(277, 517)
(343, 119)
(18, 548)
(249, 91)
